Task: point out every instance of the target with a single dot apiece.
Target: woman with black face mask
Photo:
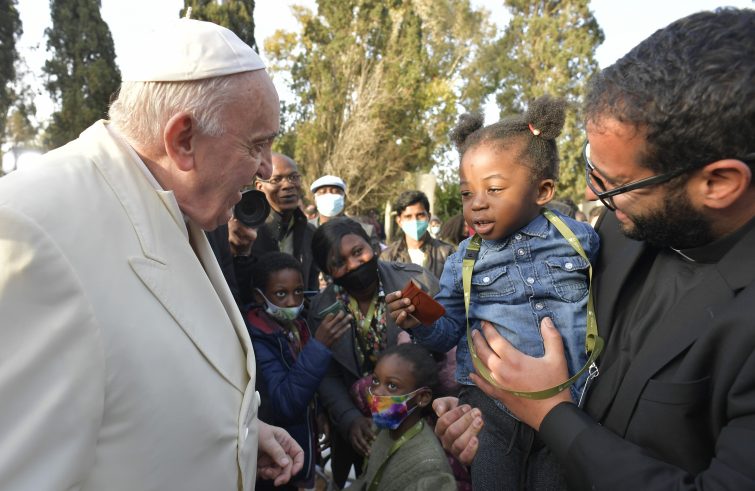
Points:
(341, 249)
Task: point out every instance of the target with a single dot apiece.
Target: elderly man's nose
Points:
(265, 170)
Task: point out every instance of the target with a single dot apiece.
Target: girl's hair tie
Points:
(534, 130)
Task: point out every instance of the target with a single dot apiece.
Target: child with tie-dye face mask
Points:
(406, 453)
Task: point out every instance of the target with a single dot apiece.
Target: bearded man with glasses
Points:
(671, 405)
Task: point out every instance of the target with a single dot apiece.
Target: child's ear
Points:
(545, 191)
(424, 397)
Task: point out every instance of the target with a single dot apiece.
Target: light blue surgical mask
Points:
(434, 231)
(414, 228)
(281, 313)
(329, 204)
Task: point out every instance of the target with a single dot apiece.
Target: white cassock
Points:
(124, 362)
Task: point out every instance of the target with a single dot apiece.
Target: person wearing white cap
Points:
(330, 199)
(125, 362)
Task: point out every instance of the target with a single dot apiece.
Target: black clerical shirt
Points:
(661, 277)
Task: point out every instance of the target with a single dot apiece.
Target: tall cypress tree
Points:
(82, 75)
(236, 15)
(549, 47)
(10, 31)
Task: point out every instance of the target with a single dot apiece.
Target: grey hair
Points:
(142, 109)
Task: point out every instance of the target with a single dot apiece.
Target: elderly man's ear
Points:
(179, 139)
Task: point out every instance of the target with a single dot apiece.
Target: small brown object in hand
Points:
(426, 309)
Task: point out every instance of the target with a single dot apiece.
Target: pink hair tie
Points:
(534, 130)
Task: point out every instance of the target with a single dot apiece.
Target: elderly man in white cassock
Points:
(124, 362)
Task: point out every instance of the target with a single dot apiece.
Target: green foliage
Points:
(10, 31)
(377, 86)
(82, 75)
(447, 200)
(548, 47)
(236, 15)
(19, 128)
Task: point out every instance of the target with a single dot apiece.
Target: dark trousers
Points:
(343, 456)
(510, 456)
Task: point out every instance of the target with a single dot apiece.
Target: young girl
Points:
(290, 363)
(406, 454)
(525, 270)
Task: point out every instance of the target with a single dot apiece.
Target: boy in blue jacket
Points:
(290, 362)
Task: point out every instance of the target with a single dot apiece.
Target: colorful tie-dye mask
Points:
(390, 411)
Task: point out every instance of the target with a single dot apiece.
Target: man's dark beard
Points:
(677, 224)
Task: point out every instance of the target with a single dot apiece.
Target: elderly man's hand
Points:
(457, 427)
(512, 369)
(240, 237)
(279, 457)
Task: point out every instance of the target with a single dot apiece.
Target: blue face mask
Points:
(281, 313)
(414, 228)
(329, 204)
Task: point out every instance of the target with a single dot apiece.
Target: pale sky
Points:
(624, 23)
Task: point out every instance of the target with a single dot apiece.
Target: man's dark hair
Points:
(409, 198)
(690, 87)
(535, 131)
(270, 263)
(326, 241)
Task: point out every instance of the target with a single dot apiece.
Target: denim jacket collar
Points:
(536, 228)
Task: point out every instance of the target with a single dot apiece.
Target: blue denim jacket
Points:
(516, 282)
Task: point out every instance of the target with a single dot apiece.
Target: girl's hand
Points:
(400, 310)
(361, 435)
(332, 327)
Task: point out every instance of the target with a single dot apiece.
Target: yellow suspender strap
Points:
(593, 342)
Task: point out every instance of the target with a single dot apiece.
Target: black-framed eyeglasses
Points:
(598, 187)
(294, 179)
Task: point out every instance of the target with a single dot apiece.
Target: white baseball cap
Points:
(187, 49)
(328, 181)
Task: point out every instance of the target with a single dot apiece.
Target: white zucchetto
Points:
(187, 49)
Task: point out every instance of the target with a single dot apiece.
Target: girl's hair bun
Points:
(546, 116)
(468, 124)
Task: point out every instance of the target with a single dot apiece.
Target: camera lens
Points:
(253, 208)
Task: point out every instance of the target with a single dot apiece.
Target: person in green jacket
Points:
(406, 454)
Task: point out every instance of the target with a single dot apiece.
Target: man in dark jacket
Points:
(670, 155)
(286, 229)
(416, 245)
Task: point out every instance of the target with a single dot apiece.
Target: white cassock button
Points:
(246, 432)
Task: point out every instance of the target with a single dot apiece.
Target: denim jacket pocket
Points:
(570, 276)
(492, 283)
